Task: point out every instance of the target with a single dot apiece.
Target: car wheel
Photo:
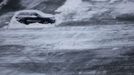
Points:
(45, 22)
(25, 22)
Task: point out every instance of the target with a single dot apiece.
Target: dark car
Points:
(28, 18)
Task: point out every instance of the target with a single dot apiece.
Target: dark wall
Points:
(1, 1)
(50, 6)
(12, 5)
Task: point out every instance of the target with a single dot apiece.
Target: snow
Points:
(75, 9)
(124, 8)
(69, 6)
(60, 38)
(51, 38)
(79, 10)
(100, 0)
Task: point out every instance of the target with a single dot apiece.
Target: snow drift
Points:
(7, 11)
(93, 11)
(88, 10)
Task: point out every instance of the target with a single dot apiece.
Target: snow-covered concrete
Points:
(69, 37)
(30, 51)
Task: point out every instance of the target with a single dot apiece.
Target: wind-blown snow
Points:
(70, 5)
(83, 10)
(125, 8)
(70, 37)
(79, 10)
(74, 7)
(75, 10)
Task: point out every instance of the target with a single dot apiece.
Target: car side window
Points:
(36, 14)
(27, 14)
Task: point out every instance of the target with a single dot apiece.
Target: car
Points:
(31, 18)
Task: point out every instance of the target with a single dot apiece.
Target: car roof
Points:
(28, 11)
(34, 11)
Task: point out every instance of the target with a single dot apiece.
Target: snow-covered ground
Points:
(59, 49)
(77, 10)
(71, 50)
(68, 37)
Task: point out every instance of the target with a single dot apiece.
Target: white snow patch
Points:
(58, 38)
(69, 6)
(78, 10)
(125, 8)
(73, 10)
